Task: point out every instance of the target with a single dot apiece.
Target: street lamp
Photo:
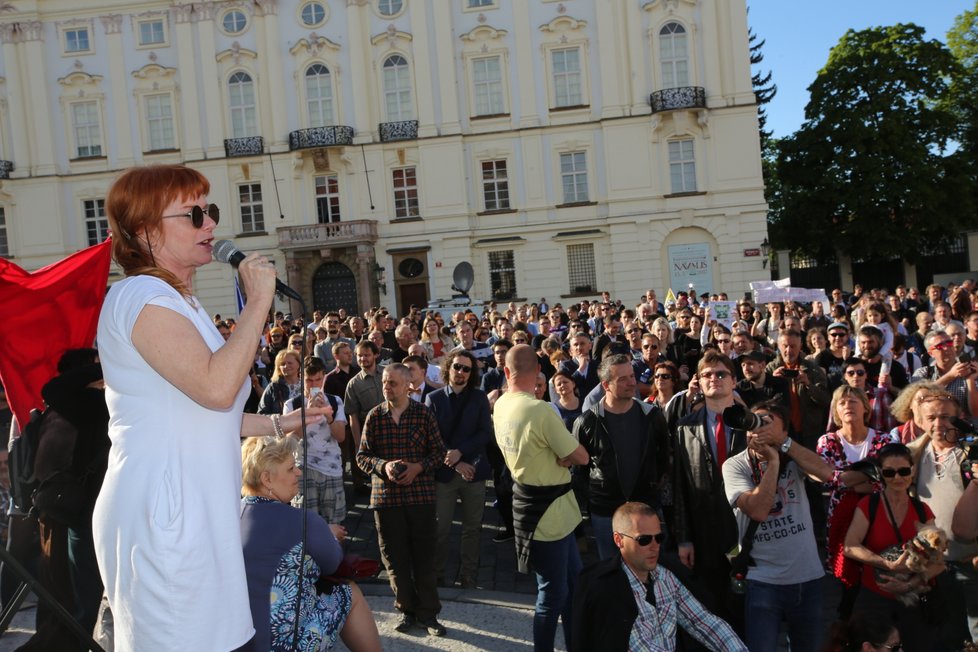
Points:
(765, 252)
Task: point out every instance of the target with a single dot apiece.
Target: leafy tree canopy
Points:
(869, 172)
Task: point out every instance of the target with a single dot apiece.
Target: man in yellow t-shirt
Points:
(538, 451)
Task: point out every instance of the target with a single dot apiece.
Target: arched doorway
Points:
(334, 287)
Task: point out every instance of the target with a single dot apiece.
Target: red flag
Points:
(45, 313)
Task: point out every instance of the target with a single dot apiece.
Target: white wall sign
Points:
(691, 264)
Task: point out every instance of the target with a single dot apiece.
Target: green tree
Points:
(869, 173)
(962, 40)
(764, 89)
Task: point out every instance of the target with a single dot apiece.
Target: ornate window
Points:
(319, 96)
(682, 165)
(76, 40)
(397, 89)
(234, 22)
(566, 69)
(86, 128)
(573, 177)
(252, 209)
(502, 274)
(241, 96)
(96, 223)
(487, 82)
(159, 122)
(495, 185)
(674, 56)
(328, 198)
(313, 14)
(390, 8)
(151, 32)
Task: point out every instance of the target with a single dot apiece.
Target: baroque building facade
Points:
(562, 147)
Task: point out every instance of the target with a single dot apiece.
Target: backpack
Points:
(874, 504)
(23, 450)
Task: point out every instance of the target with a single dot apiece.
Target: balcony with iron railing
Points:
(6, 167)
(403, 130)
(332, 234)
(330, 136)
(247, 146)
(671, 99)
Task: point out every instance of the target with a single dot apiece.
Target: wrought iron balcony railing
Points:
(248, 146)
(333, 234)
(404, 130)
(6, 167)
(321, 137)
(670, 99)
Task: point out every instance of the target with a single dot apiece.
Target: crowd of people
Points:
(719, 468)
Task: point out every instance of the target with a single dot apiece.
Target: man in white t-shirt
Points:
(323, 475)
(765, 483)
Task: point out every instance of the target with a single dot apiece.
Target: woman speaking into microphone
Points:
(166, 523)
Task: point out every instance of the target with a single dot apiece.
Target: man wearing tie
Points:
(705, 527)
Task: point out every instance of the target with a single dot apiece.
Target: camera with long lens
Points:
(740, 418)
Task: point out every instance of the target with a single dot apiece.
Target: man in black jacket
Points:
(627, 441)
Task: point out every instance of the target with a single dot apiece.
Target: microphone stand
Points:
(302, 483)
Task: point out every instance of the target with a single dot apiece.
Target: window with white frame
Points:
(328, 198)
(87, 129)
(313, 14)
(495, 185)
(573, 177)
(405, 193)
(480, 4)
(252, 209)
(502, 274)
(487, 82)
(397, 89)
(159, 122)
(152, 32)
(77, 40)
(4, 243)
(581, 273)
(241, 102)
(673, 56)
(390, 7)
(96, 223)
(566, 69)
(682, 165)
(234, 22)
(319, 95)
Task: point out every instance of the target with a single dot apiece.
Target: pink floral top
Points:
(830, 448)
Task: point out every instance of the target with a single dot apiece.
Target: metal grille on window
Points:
(580, 268)
(405, 193)
(328, 199)
(502, 274)
(252, 210)
(4, 245)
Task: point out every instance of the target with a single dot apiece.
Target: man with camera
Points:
(778, 567)
(942, 474)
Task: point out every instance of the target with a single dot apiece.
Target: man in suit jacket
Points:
(419, 387)
(463, 415)
(705, 527)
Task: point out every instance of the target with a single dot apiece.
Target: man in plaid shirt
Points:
(401, 449)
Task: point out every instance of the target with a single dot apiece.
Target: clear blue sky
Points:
(799, 36)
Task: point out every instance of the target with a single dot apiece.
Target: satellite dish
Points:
(463, 277)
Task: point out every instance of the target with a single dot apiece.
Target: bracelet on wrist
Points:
(277, 426)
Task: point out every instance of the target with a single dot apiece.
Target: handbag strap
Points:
(892, 519)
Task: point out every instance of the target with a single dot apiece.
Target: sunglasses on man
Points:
(196, 215)
(645, 539)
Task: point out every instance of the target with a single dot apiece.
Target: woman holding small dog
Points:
(881, 526)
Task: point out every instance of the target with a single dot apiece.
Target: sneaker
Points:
(503, 537)
(434, 627)
(405, 623)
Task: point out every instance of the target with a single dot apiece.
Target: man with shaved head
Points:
(538, 451)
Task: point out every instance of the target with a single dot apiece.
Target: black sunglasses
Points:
(903, 472)
(196, 215)
(856, 372)
(645, 539)
(461, 367)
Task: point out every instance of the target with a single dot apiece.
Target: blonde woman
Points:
(435, 343)
(271, 531)
(284, 384)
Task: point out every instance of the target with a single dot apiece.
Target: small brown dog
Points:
(923, 550)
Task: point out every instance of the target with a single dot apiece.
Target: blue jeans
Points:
(556, 565)
(800, 605)
(604, 536)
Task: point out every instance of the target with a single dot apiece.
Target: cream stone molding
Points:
(235, 53)
(79, 79)
(563, 24)
(491, 154)
(112, 23)
(483, 33)
(266, 7)
(314, 45)
(392, 35)
(356, 3)
(670, 5)
(74, 22)
(154, 71)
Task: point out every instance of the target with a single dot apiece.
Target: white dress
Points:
(167, 521)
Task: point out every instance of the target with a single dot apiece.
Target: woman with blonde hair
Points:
(166, 524)
(284, 384)
(435, 343)
(271, 535)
